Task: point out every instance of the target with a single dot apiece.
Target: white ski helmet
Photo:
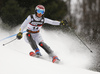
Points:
(40, 9)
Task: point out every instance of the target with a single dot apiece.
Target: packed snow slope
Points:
(74, 56)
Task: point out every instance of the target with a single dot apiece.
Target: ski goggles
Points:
(40, 11)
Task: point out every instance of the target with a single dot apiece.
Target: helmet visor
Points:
(40, 11)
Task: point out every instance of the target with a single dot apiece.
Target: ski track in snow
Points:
(74, 56)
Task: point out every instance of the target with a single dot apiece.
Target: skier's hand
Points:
(19, 35)
(64, 22)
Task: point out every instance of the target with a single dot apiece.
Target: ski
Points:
(32, 54)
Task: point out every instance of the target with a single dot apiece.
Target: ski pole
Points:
(9, 42)
(11, 36)
(80, 39)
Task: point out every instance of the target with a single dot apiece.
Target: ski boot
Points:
(55, 59)
(37, 52)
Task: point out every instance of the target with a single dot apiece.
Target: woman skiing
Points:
(34, 23)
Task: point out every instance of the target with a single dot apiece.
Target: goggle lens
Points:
(40, 11)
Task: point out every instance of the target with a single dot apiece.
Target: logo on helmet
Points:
(41, 6)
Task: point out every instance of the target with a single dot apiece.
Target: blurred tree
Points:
(91, 17)
(55, 9)
(86, 16)
(89, 21)
(15, 11)
(11, 13)
(2, 3)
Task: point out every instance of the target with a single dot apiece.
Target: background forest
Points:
(83, 16)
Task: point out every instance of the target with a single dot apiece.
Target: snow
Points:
(15, 59)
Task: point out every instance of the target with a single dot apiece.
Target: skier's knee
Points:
(28, 35)
(29, 38)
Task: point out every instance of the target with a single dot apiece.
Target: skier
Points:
(34, 23)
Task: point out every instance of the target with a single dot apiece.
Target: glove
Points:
(19, 35)
(64, 22)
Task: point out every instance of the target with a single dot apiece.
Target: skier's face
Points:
(39, 14)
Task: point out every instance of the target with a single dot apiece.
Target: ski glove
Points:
(19, 35)
(63, 23)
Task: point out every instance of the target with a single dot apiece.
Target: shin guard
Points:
(31, 41)
(46, 47)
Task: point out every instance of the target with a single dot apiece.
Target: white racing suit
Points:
(33, 37)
